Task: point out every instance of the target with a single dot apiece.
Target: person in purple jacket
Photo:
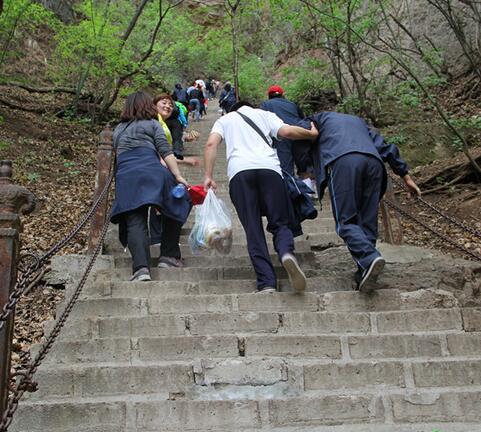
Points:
(349, 159)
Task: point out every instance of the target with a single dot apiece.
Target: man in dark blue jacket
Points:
(287, 151)
(349, 159)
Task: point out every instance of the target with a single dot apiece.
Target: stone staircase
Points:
(197, 350)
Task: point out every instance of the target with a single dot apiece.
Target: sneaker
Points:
(296, 275)
(370, 275)
(167, 262)
(142, 274)
(265, 290)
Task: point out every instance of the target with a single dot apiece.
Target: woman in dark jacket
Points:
(142, 181)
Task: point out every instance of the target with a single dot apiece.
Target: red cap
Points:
(275, 89)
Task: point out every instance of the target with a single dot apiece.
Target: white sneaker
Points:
(296, 275)
(141, 275)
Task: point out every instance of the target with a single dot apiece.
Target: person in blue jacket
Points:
(289, 152)
(349, 159)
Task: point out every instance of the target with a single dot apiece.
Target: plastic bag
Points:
(213, 226)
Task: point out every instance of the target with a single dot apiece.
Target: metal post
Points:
(13, 200)
(104, 161)
(393, 231)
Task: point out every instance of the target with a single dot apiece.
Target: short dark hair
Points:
(239, 104)
(139, 106)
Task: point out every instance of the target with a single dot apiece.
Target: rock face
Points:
(424, 19)
(64, 9)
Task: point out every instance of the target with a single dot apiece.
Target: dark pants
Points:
(355, 182)
(256, 193)
(138, 240)
(165, 231)
(290, 153)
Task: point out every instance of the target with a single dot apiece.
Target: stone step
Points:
(121, 289)
(339, 301)
(145, 413)
(304, 258)
(198, 378)
(238, 249)
(201, 319)
(193, 274)
(426, 346)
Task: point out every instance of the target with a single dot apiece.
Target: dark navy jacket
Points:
(340, 134)
(286, 110)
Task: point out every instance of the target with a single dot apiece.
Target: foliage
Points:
(19, 19)
(470, 129)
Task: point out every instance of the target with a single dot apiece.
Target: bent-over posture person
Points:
(349, 159)
(142, 181)
(256, 187)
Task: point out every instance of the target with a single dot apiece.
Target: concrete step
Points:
(198, 378)
(148, 414)
(202, 319)
(304, 258)
(98, 289)
(193, 274)
(426, 346)
(114, 247)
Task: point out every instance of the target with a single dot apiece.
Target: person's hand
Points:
(411, 186)
(209, 183)
(192, 161)
(314, 131)
(182, 180)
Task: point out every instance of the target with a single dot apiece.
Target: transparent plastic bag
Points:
(213, 226)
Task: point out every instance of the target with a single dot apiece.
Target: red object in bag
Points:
(197, 194)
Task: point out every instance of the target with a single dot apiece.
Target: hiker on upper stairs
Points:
(142, 181)
(256, 186)
(180, 95)
(289, 153)
(349, 159)
(227, 98)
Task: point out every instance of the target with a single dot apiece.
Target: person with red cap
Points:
(289, 153)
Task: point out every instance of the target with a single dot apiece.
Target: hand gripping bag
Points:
(213, 226)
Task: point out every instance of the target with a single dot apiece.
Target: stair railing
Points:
(20, 273)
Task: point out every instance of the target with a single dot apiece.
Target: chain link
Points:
(426, 226)
(451, 219)
(29, 270)
(26, 382)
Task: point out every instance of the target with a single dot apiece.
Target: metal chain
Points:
(26, 382)
(426, 226)
(451, 219)
(22, 283)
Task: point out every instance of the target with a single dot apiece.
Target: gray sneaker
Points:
(265, 290)
(167, 262)
(296, 275)
(141, 275)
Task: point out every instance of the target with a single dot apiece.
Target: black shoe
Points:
(370, 275)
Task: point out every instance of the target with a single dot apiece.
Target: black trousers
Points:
(256, 193)
(138, 240)
(355, 182)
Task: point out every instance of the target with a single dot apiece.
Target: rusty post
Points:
(13, 200)
(104, 161)
(393, 231)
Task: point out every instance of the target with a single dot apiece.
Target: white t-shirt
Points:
(245, 149)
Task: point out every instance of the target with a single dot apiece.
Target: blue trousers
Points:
(294, 152)
(256, 193)
(355, 181)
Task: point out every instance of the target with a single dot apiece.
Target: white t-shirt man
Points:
(245, 149)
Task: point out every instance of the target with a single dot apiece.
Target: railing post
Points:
(13, 200)
(393, 230)
(104, 161)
